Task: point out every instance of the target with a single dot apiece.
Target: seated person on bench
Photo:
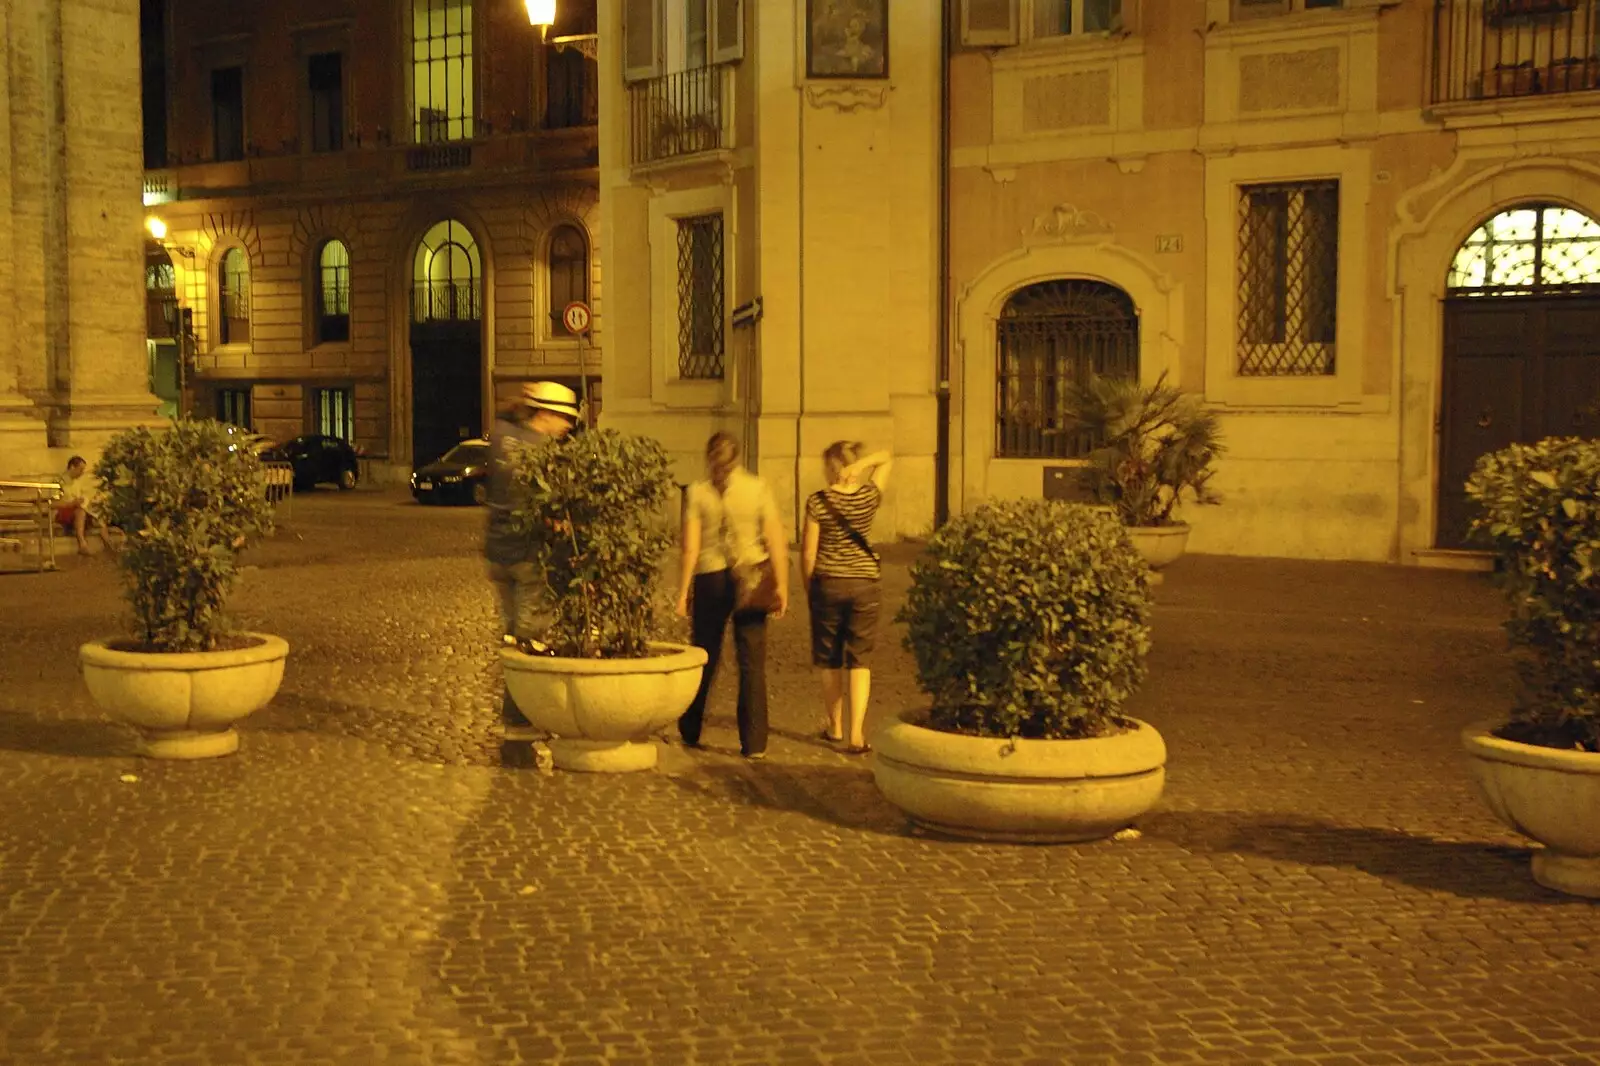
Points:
(77, 492)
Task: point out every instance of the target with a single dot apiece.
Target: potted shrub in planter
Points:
(1156, 444)
(1539, 772)
(595, 509)
(187, 499)
(1029, 624)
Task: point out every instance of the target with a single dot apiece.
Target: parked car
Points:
(320, 460)
(459, 476)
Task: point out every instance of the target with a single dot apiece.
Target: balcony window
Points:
(227, 114)
(1493, 49)
(442, 86)
(325, 80)
(233, 297)
(445, 275)
(569, 274)
(333, 292)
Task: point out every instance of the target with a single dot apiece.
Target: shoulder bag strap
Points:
(849, 530)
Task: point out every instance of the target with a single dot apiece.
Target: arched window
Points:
(1533, 248)
(333, 292)
(1052, 335)
(233, 290)
(569, 274)
(446, 275)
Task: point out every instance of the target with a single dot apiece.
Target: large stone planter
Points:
(1161, 546)
(184, 704)
(603, 711)
(1549, 794)
(1036, 791)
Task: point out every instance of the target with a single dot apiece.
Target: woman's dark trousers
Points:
(711, 599)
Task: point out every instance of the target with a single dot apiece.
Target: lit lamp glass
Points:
(157, 228)
(541, 13)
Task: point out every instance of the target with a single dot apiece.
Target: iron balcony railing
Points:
(677, 114)
(446, 301)
(1495, 49)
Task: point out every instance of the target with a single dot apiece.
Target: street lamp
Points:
(157, 228)
(541, 13)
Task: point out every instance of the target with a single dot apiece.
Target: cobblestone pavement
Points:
(366, 881)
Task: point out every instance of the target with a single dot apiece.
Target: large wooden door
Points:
(446, 387)
(1516, 368)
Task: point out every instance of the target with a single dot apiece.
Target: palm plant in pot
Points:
(1155, 448)
(1029, 623)
(188, 499)
(595, 509)
(1539, 771)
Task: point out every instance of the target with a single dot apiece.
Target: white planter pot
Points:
(184, 704)
(1036, 791)
(603, 711)
(1548, 794)
(1161, 546)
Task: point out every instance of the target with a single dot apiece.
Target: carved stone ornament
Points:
(1065, 222)
(849, 97)
(588, 44)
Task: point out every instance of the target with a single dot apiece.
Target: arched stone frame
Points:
(401, 259)
(546, 332)
(1157, 299)
(220, 234)
(575, 206)
(314, 228)
(1421, 253)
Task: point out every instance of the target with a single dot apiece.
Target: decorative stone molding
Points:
(849, 97)
(588, 44)
(1002, 175)
(1065, 223)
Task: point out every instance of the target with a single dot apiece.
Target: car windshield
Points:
(467, 455)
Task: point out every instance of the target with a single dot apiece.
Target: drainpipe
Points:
(941, 448)
(800, 412)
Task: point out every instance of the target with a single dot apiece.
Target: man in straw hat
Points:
(544, 411)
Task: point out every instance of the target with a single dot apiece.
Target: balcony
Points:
(433, 302)
(678, 115)
(1501, 49)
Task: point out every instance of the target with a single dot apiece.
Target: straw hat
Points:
(550, 396)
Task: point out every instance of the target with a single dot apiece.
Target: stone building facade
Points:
(72, 361)
(370, 214)
(1363, 230)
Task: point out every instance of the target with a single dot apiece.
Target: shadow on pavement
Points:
(1465, 869)
(840, 796)
(79, 737)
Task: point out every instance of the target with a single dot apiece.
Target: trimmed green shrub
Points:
(187, 499)
(1541, 513)
(1158, 444)
(594, 507)
(1029, 619)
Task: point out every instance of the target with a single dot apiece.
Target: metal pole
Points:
(583, 373)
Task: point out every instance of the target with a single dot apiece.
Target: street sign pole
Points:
(577, 318)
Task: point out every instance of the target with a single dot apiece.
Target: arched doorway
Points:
(446, 341)
(1521, 344)
(1052, 335)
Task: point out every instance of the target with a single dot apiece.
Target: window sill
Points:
(1046, 51)
(1296, 23)
(715, 161)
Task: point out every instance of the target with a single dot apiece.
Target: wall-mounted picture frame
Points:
(847, 38)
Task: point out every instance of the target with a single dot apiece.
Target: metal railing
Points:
(1495, 49)
(277, 479)
(446, 301)
(677, 115)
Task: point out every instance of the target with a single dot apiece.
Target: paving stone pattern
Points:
(372, 880)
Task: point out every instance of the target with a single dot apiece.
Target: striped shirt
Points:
(838, 553)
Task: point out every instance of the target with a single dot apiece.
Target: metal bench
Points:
(28, 517)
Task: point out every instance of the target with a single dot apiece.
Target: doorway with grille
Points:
(1521, 345)
(1052, 335)
(446, 342)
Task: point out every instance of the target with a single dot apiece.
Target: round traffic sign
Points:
(576, 317)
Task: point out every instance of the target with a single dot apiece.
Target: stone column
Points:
(95, 298)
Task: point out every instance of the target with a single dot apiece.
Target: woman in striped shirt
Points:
(842, 584)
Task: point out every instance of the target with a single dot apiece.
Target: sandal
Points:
(864, 749)
(829, 737)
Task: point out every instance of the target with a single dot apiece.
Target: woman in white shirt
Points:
(730, 518)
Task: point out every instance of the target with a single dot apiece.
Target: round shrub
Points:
(1029, 619)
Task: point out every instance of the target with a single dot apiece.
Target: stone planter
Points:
(184, 704)
(1548, 794)
(1160, 545)
(603, 711)
(1033, 791)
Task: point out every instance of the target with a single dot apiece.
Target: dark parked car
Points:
(459, 476)
(319, 460)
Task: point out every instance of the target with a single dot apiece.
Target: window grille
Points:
(1054, 335)
(333, 292)
(325, 77)
(569, 269)
(335, 413)
(1533, 248)
(442, 70)
(445, 276)
(1288, 278)
(700, 297)
(227, 114)
(234, 297)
